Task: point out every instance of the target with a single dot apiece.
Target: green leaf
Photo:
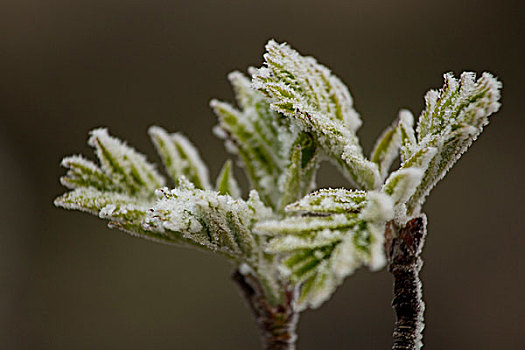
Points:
(287, 243)
(302, 89)
(226, 183)
(320, 251)
(330, 201)
(302, 81)
(385, 149)
(215, 222)
(466, 101)
(180, 157)
(407, 134)
(121, 190)
(129, 171)
(402, 184)
(300, 173)
(253, 134)
(307, 224)
(93, 201)
(263, 140)
(453, 118)
(84, 173)
(399, 135)
(123, 211)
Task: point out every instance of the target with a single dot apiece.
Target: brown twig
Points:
(277, 323)
(403, 247)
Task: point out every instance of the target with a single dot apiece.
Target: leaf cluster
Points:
(292, 114)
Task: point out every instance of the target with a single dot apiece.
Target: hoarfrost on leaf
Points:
(397, 138)
(180, 157)
(326, 244)
(129, 171)
(452, 119)
(226, 183)
(265, 143)
(208, 219)
(127, 191)
(306, 91)
(329, 201)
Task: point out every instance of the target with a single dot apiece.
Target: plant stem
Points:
(277, 323)
(403, 247)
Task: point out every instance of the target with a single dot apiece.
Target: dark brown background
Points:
(68, 282)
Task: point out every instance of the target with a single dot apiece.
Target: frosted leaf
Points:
(387, 145)
(329, 201)
(93, 201)
(288, 243)
(226, 183)
(305, 82)
(218, 223)
(302, 89)
(402, 183)
(117, 191)
(121, 210)
(407, 134)
(466, 101)
(180, 157)
(453, 118)
(322, 250)
(263, 140)
(128, 170)
(254, 132)
(215, 222)
(379, 208)
(84, 173)
(292, 180)
(120, 190)
(298, 178)
(306, 224)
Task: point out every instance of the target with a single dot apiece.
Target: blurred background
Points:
(68, 282)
